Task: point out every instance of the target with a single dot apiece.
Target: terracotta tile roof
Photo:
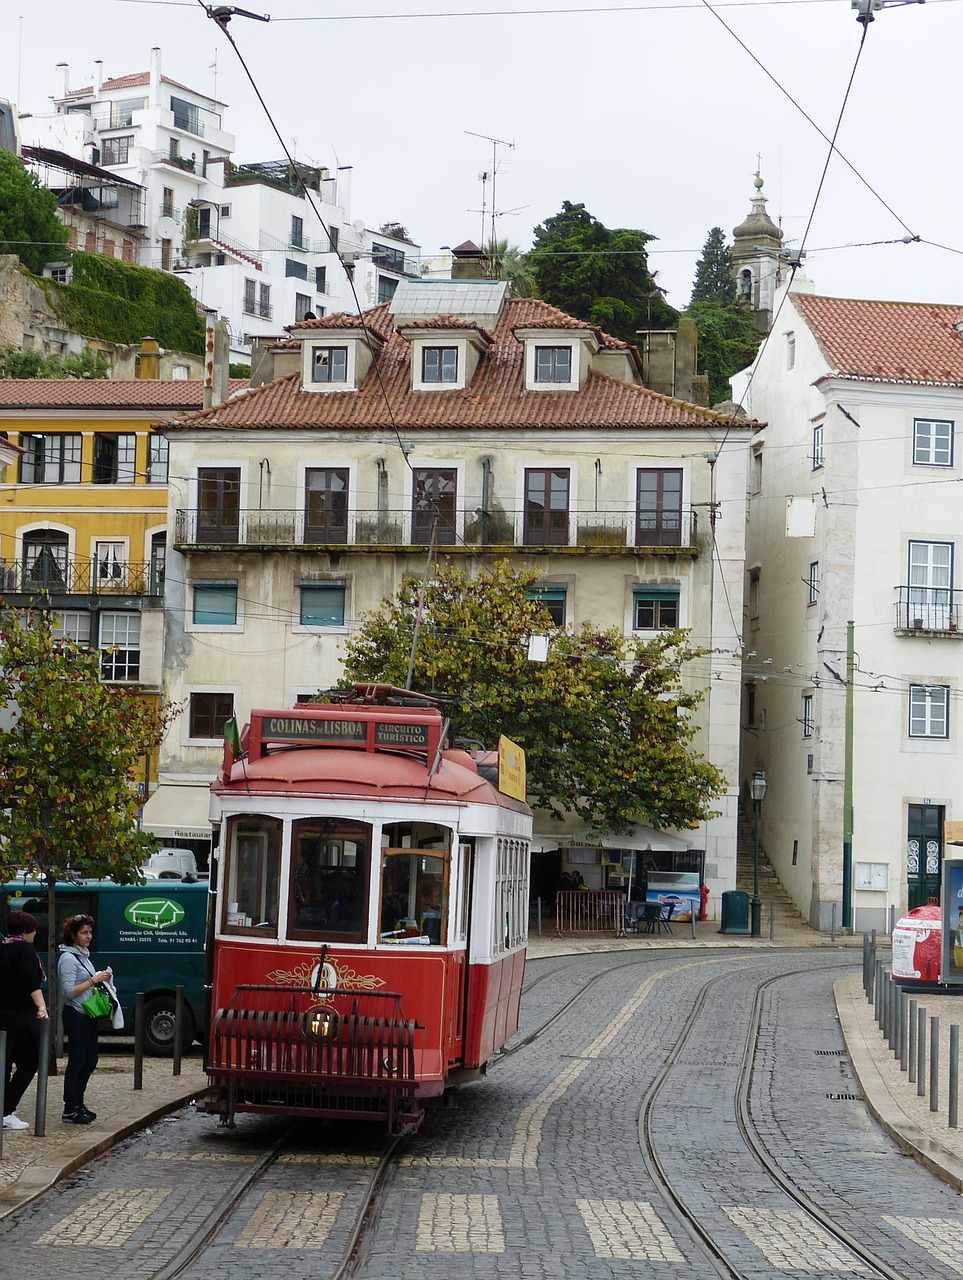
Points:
(911, 342)
(131, 81)
(378, 320)
(495, 400)
(444, 323)
(105, 393)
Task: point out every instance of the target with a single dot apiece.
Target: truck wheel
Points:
(159, 1027)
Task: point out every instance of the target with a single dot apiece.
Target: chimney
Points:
(468, 262)
(343, 189)
(63, 75)
(148, 366)
(98, 76)
(155, 77)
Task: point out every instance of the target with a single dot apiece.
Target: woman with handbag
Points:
(22, 1010)
(78, 982)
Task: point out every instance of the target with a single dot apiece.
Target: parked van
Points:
(152, 936)
(171, 864)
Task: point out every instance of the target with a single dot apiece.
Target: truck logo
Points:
(154, 913)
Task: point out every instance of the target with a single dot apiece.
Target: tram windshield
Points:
(414, 883)
(253, 875)
(329, 879)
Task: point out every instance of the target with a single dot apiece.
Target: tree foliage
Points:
(29, 226)
(728, 342)
(604, 722)
(714, 281)
(597, 274)
(33, 364)
(508, 262)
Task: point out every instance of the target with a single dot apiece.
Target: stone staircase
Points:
(771, 892)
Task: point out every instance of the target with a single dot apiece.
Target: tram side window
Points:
(510, 922)
(253, 875)
(414, 883)
(329, 879)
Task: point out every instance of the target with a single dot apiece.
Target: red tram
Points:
(371, 912)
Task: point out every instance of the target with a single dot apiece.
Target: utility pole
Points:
(848, 780)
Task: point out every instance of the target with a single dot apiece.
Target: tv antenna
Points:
(488, 175)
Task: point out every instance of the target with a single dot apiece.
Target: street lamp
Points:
(758, 789)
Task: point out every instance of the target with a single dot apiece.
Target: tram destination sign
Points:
(333, 732)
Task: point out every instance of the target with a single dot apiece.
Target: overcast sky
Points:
(652, 115)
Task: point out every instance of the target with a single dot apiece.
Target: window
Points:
(807, 715)
(120, 646)
(225, 210)
(253, 875)
(321, 279)
(50, 459)
(932, 443)
(930, 585)
(297, 269)
(322, 604)
(439, 364)
(383, 255)
(72, 624)
(219, 504)
(553, 364)
(326, 504)
(110, 559)
(553, 598)
(929, 706)
(116, 150)
(122, 113)
(250, 297)
(208, 714)
(414, 882)
(756, 471)
(114, 459)
(330, 860)
(167, 202)
(45, 560)
(754, 595)
(386, 288)
(333, 235)
(655, 608)
(330, 364)
(167, 254)
(297, 232)
(813, 582)
(818, 450)
(158, 563)
(157, 450)
(264, 302)
(433, 505)
(215, 604)
(790, 351)
(186, 115)
(302, 306)
(659, 507)
(546, 507)
(180, 373)
(750, 705)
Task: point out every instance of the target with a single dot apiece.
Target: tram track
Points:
(721, 1262)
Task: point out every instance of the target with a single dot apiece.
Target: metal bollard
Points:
(954, 1080)
(139, 1040)
(920, 1052)
(832, 927)
(884, 1007)
(934, 1064)
(43, 1073)
(892, 919)
(892, 1020)
(772, 922)
(178, 1028)
(539, 917)
(904, 1033)
(878, 993)
(865, 964)
(912, 1042)
(3, 1073)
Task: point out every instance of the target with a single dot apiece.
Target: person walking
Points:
(78, 978)
(23, 1010)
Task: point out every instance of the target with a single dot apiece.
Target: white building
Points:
(854, 517)
(300, 505)
(258, 244)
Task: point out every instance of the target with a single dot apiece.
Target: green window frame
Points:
(322, 604)
(215, 604)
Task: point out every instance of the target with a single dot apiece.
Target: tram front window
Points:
(414, 883)
(253, 875)
(329, 879)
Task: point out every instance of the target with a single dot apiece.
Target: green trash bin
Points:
(735, 912)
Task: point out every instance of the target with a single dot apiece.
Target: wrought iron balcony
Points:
(601, 531)
(48, 575)
(928, 610)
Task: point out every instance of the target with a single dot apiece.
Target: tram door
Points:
(924, 853)
(460, 922)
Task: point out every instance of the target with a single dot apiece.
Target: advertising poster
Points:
(952, 969)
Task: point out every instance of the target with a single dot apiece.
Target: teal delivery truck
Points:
(151, 935)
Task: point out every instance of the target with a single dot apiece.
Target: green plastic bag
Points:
(97, 1004)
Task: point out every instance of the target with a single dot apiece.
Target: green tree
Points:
(714, 281)
(32, 364)
(728, 342)
(29, 226)
(597, 274)
(67, 806)
(509, 262)
(604, 722)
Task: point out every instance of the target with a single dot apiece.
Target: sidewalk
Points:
(30, 1165)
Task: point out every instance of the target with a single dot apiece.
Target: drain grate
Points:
(844, 1097)
(830, 1053)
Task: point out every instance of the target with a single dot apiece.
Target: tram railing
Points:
(590, 911)
(332, 1053)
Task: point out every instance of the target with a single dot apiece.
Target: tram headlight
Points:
(323, 1024)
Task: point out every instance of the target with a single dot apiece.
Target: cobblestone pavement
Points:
(537, 1170)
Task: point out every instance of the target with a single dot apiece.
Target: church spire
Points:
(757, 255)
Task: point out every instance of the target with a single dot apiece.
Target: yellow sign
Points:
(511, 768)
(953, 832)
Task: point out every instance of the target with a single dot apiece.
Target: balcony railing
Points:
(81, 577)
(928, 609)
(603, 531)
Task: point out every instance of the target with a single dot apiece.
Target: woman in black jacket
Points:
(22, 1011)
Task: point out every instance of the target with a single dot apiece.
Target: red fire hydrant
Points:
(703, 906)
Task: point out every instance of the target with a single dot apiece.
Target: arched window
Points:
(45, 560)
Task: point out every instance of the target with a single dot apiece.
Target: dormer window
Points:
(330, 364)
(439, 364)
(553, 364)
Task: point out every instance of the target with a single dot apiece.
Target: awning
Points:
(639, 837)
(178, 812)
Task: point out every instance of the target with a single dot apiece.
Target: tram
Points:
(370, 912)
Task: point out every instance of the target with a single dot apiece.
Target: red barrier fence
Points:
(590, 911)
